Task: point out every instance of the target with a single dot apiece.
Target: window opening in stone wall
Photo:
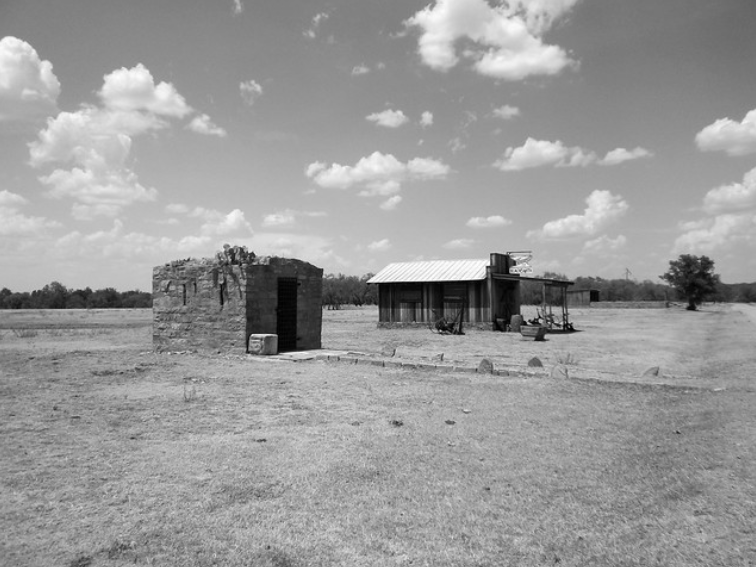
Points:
(222, 293)
(183, 293)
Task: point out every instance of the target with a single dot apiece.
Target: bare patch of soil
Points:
(113, 455)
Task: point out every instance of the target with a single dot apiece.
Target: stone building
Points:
(216, 304)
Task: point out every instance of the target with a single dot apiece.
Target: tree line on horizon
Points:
(340, 290)
(57, 296)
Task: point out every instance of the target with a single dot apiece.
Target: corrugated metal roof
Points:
(432, 271)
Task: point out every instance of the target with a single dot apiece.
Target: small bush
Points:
(567, 359)
(25, 333)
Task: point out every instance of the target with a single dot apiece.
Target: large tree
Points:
(692, 277)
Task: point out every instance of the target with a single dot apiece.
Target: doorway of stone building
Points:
(287, 314)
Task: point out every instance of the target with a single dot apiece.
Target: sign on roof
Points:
(522, 262)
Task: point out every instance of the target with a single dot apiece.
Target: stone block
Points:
(263, 344)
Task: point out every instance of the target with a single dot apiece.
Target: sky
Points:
(607, 137)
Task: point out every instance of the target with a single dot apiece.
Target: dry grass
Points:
(106, 462)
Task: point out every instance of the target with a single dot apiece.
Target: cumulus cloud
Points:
(202, 124)
(28, 87)
(716, 233)
(217, 223)
(730, 219)
(360, 70)
(604, 244)
(506, 112)
(542, 153)
(621, 155)
(378, 174)
(250, 91)
(388, 118)
(459, 244)
(391, 203)
(503, 41)
(539, 153)
(602, 209)
(135, 90)
(733, 138)
(238, 7)
(734, 197)
(380, 245)
(317, 20)
(92, 145)
(14, 223)
(287, 217)
(95, 144)
(426, 119)
(493, 221)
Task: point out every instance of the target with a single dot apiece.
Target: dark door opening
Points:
(287, 314)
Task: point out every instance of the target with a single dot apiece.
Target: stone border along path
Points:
(349, 357)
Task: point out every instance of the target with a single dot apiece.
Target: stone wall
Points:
(210, 305)
(262, 298)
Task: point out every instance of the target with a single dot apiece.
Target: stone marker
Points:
(535, 362)
(485, 366)
(516, 323)
(388, 351)
(651, 371)
(263, 344)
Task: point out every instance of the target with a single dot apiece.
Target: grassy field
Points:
(112, 455)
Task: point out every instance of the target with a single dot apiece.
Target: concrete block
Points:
(263, 344)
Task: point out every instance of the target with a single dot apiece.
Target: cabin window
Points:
(455, 291)
(411, 293)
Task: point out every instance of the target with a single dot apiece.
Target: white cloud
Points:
(506, 112)
(28, 87)
(380, 245)
(426, 119)
(317, 20)
(377, 174)
(388, 118)
(217, 223)
(177, 209)
(135, 90)
(232, 223)
(284, 218)
(730, 220)
(391, 203)
(92, 145)
(459, 244)
(493, 221)
(203, 125)
(604, 244)
(602, 209)
(718, 233)
(456, 145)
(360, 70)
(313, 248)
(505, 39)
(733, 138)
(621, 155)
(238, 7)
(14, 223)
(734, 197)
(288, 217)
(250, 91)
(539, 153)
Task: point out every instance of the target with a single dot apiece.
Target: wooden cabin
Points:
(420, 293)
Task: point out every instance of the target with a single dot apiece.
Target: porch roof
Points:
(432, 271)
